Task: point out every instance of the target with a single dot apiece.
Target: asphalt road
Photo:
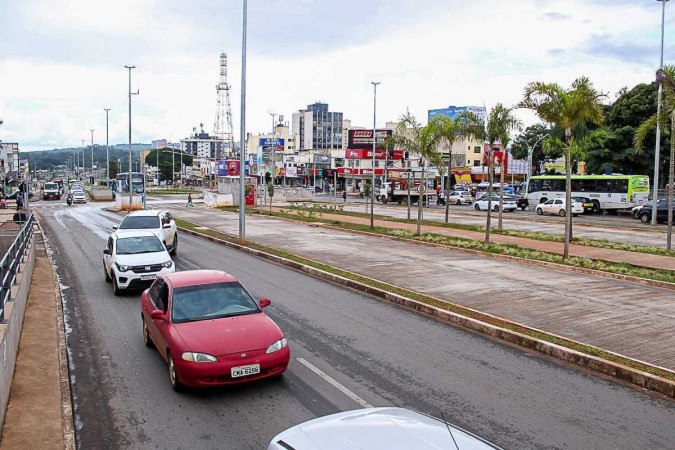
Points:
(380, 353)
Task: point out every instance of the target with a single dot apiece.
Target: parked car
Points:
(509, 203)
(133, 259)
(460, 197)
(661, 212)
(158, 221)
(635, 212)
(587, 203)
(79, 197)
(557, 206)
(210, 331)
(377, 429)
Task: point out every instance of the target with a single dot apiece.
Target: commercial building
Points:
(202, 145)
(318, 128)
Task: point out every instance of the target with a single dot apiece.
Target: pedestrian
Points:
(19, 201)
(189, 203)
(344, 196)
(441, 197)
(3, 202)
(438, 195)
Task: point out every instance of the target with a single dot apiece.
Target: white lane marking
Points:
(334, 383)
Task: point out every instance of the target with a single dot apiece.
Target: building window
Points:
(476, 149)
(476, 163)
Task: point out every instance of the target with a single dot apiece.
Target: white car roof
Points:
(146, 213)
(132, 233)
(377, 428)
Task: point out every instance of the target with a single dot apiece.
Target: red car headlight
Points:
(198, 357)
(278, 345)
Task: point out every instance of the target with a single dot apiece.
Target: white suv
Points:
(158, 221)
(134, 259)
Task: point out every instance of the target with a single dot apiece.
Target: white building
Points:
(202, 145)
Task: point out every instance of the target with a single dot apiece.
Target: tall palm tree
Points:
(420, 140)
(465, 125)
(567, 109)
(500, 125)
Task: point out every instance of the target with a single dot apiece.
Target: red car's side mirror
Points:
(264, 302)
(157, 314)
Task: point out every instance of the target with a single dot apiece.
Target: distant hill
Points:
(47, 159)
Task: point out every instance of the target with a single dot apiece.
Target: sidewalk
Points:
(38, 413)
(626, 318)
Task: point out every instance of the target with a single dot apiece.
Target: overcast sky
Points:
(61, 62)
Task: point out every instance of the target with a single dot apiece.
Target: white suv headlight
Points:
(198, 357)
(167, 264)
(278, 345)
(122, 268)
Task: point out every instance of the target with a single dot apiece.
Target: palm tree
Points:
(414, 138)
(465, 125)
(567, 109)
(500, 124)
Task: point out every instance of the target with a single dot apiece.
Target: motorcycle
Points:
(69, 200)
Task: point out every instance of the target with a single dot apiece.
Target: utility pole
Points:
(372, 186)
(107, 151)
(131, 192)
(657, 149)
(92, 159)
(242, 133)
(83, 171)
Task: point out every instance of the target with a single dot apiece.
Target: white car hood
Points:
(143, 259)
(374, 429)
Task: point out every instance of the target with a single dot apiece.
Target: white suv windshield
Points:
(51, 186)
(139, 223)
(140, 244)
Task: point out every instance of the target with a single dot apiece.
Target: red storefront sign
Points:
(500, 158)
(368, 154)
(350, 171)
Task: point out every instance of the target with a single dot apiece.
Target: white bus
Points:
(607, 192)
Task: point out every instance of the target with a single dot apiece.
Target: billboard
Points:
(363, 139)
(454, 111)
(230, 167)
(269, 143)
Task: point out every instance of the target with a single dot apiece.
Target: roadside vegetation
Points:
(431, 301)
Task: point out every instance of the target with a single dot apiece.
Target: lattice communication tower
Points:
(222, 127)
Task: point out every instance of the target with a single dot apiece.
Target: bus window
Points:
(534, 186)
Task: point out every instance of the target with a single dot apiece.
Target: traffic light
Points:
(406, 155)
(268, 178)
(391, 154)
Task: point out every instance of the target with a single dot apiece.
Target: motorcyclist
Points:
(69, 199)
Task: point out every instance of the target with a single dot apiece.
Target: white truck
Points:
(396, 190)
(51, 191)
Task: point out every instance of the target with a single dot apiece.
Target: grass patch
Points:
(582, 348)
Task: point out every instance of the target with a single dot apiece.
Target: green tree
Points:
(165, 161)
(466, 125)
(501, 122)
(532, 138)
(568, 109)
(419, 140)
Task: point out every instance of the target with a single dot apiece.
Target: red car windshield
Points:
(211, 301)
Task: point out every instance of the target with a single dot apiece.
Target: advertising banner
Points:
(364, 138)
(269, 143)
(230, 168)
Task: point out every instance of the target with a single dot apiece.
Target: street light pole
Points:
(92, 158)
(657, 148)
(83, 171)
(530, 152)
(663, 78)
(372, 185)
(131, 192)
(107, 151)
(242, 133)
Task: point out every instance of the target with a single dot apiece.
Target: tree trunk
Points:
(489, 211)
(568, 194)
(419, 205)
(501, 191)
(447, 191)
(671, 183)
(408, 202)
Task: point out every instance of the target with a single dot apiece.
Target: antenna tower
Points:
(222, 128)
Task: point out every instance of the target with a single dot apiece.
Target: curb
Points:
(64, 373)
(537, 263)
(615, 370)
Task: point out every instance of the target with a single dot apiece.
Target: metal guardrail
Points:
(11, 262)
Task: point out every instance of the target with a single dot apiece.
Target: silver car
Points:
(375, 429)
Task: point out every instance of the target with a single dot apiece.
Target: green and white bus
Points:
(607, 192)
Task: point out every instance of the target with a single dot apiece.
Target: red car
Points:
(210, 330)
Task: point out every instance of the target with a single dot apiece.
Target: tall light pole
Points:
(83, 172)
(107, 151)
(242, 133)
(657, 149)
(372, 184)
(92, 158)
(131, 192)
(663, 79)
(530, 152)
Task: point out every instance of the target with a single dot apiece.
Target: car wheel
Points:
(645, 218)
(174, 248)
(459, 203)
(596, 207)
(636, 214)
(496, 208)
(523, 208)
(476, 207)
(146, 335)
(561, 213)
(107, 277)
(540, 211)
(173, 378)
(116, 289)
